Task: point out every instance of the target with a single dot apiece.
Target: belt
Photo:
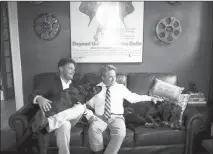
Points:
(115, 114)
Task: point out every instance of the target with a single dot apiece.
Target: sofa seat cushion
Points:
(128, 141)
(158, 136)
(76, 137)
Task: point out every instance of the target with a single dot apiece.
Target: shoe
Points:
(40, 122)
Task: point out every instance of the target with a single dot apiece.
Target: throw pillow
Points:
(165, 90)
(182, 102)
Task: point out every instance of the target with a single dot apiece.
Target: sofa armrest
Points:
(21, 119)
(194, 123)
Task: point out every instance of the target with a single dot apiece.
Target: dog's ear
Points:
(82, 89)
(96, 89)
(92, 90)
(86, 86)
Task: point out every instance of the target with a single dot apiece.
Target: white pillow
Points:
(165, 90)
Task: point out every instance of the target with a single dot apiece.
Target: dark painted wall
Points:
(188, 57)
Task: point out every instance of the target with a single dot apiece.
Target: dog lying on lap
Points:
(66, 99)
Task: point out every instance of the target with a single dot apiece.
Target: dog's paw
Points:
(175, 125)
(157, 125)
(149, 125)
(128, 111)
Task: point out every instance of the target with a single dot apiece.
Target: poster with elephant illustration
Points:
(103, 32)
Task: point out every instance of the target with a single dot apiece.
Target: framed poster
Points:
(103, 32)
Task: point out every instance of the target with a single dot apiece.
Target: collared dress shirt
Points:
(118, 92)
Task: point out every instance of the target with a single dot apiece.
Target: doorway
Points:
(6, 83)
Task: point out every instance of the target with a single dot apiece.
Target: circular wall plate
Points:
(46, 26)
(175, 2)
(168, 29)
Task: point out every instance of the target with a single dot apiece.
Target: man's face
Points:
(109, 78)
(67, 71)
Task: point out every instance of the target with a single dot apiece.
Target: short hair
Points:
(107, 68)
(65, 61)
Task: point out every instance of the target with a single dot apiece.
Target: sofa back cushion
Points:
(39, 78)
(141, 83)
(78, 78)
(136, 82)
(96, 78)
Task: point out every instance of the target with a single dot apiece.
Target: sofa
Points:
(138, 140)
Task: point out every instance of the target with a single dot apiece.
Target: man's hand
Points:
(156, 99)
(88, 114)
(44, 104)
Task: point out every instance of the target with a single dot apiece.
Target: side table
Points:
(197, 103)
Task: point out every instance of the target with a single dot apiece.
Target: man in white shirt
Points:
(108, 108)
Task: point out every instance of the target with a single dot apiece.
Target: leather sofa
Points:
(138, 140)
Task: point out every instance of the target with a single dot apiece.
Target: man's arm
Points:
(38, 96)
(134, 98)
(39, 90)
(90, 109)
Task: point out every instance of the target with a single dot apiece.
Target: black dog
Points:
(69, 97)
(165, 113)
(153, 115)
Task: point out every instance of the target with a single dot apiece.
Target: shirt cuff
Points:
(150, 98)
(35, 98)
(147, 98)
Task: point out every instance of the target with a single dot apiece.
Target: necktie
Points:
(107, 109)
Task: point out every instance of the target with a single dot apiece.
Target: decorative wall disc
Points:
(174, 2)
(46, 26)
(168, 29)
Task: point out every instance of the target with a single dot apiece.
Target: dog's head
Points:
(83, 93)
(89, 91)
(176, 113)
